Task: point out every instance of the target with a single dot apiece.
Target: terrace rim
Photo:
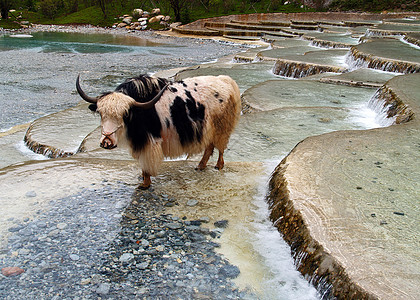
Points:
(213, 26)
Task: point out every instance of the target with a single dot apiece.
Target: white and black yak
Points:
(159, 118)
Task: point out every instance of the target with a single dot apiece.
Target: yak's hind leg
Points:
(220, 162)
(207, 153)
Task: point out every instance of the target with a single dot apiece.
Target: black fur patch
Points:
(142, 88)
(173, 89)
(188, 118)
(140, 123)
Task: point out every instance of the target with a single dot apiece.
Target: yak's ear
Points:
(93, 107)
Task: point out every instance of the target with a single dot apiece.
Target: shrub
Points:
(49, 8)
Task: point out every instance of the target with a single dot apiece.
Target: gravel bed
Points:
(114, 242)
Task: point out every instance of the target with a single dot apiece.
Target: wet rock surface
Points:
(362, 204)
(118, 245)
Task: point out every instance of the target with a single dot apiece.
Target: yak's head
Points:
(113, 107)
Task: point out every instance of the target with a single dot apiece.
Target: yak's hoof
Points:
(143, 187)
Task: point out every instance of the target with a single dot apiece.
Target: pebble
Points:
(11, 271)
(126, 257)
(174, 226)
(74, 257)
(103, 288)
(30, 194)
(143, 265)
(192, 202)
(61, 226)
(85, 281)
(230, 271)
(221, 223)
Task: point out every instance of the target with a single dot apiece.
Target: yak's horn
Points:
(82, 93)
(151, 103)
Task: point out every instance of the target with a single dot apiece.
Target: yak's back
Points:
(142, 88)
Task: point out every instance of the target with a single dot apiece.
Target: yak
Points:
(161, 119)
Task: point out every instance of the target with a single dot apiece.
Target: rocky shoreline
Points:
(82, 247)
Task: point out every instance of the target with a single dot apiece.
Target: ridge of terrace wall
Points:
(258, 17)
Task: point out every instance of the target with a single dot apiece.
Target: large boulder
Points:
(155, 11)
(137, 13)
(127, 20)
(176, 24)
(156, 19)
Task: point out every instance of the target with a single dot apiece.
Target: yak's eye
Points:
(93, 107)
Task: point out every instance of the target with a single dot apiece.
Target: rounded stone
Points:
(192, 202)
(126, 257)
(103, 288)
(11, 271)
(74, 257)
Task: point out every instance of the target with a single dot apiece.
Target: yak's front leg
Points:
(146, 181)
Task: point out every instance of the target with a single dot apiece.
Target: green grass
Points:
(91, 15)
(9, 24)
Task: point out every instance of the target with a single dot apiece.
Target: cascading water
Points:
(378, 105)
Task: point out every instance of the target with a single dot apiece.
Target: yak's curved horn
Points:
(82, 93)
(151, 103)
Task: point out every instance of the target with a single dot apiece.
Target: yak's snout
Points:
(109, 138)
(107, 142)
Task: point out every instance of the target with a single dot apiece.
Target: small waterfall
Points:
(389, 108)
(296, 69)
(381, 33)
(40, 148)
(329, 44)
(355, 63)
(359, 59)
(243, 59)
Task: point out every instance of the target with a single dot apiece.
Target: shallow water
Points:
(76, 43)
